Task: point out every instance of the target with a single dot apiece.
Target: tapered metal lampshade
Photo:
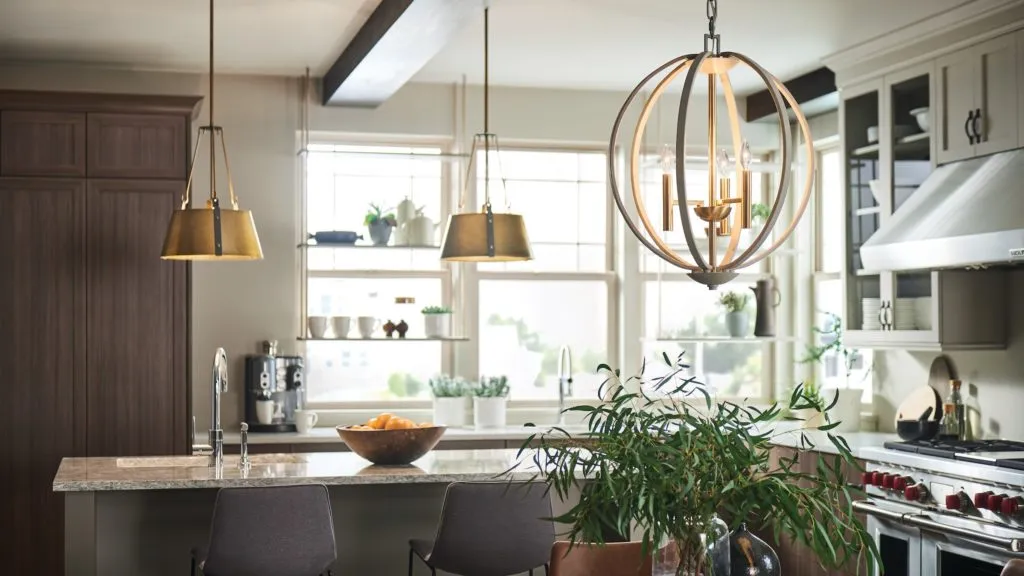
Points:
(191, 236)
(467, 238)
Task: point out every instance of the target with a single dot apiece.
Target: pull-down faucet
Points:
(220, 385)
(564, 380)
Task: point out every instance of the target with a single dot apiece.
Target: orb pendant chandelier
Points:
(724, 214)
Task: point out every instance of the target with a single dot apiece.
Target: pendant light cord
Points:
(213, 148)
(487, 108)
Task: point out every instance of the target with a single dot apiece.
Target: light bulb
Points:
(723, 160)
(745, 156)
(668, 159)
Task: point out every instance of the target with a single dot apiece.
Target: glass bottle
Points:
(949, 429)
(957, 400)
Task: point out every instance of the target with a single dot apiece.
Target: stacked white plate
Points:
(923, 313)
(904, 312)
(869, 312)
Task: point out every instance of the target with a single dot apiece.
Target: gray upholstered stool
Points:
(274, 531)
(490, 529)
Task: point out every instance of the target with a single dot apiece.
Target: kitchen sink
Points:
(200, 461)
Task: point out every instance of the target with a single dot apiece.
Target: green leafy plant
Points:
(437, 310)
(377, 212)
(734, 301)
(759, 211)
(491, 387)
(661, 459)
(445, 386)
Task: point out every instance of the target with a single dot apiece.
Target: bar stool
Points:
(272, 531)
(612, 559)
(490, 529)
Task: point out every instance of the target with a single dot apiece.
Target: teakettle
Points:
(420, 231)
(768, 298)
(405, 211)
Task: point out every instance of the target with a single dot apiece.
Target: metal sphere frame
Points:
(716, 65)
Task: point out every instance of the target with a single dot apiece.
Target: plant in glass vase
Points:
(663, 461)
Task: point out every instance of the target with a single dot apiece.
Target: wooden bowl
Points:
(391, 447)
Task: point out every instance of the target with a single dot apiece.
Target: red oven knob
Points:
(887, 480)
(956, 501)
(995, 502)
(900, 483)
(915, 493)
(865, 478)
(876, 478)
(981, 499)
(1011, 506)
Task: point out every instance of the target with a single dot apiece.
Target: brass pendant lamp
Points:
(724, 214)
(485, 236)
(211, 232)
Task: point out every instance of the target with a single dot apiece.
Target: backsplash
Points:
(994, 380)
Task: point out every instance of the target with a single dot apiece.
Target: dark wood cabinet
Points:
(42, 143)
(136, 321)
(41, 301)
(93, 324)
(137, 146)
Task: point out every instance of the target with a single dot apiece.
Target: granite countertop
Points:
(329, 468)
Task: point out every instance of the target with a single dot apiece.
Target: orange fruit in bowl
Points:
(373, 423)
(399, 424)
(383, 418)
(426, 424)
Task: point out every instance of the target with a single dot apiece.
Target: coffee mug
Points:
(341, 325)
(317, 326)
(367, 326)
(265, 411)
(305, 420)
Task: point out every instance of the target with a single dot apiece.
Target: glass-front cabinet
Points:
(888, 151)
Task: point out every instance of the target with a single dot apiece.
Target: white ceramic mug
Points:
(317, 326)
(341, 326)
(367, 326)
(305, 421)
(265, 411)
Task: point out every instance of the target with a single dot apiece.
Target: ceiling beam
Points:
(398, 39)
(810, 86)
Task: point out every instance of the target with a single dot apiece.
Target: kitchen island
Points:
(141, 516)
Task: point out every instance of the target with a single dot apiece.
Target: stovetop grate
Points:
(949, 448)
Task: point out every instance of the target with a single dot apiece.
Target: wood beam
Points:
(810, 86)
(398, 39)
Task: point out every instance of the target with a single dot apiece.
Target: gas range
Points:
(948, 507)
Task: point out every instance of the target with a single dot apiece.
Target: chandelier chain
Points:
(712, 16)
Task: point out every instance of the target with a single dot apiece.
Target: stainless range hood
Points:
(965, 214)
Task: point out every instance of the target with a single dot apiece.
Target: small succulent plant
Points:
(437, 310)
(491, 387)
(734, 301)
(445, 386)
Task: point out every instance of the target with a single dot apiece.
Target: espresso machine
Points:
(274, 390)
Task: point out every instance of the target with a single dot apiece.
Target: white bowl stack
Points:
(869, 313)
(923, 313)
(905, 314)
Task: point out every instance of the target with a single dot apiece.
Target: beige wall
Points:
(237, 305)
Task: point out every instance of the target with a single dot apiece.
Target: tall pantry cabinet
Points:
(94, 326)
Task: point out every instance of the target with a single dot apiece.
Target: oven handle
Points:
(919, 521)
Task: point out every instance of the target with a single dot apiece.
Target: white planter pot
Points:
(450, 411)
(437, 325)
(811, 417)
(846, 410)
(489, 412)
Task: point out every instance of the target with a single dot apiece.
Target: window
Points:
(529, 310)
(827, 287)
(364, 281)
(681, 315)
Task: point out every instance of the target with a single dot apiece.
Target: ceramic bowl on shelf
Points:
(876, 190)
(921, 116)
(903, 130)
(872, 134)
(392, 447)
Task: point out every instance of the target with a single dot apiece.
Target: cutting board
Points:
(917, 402)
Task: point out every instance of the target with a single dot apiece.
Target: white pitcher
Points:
(421, 231)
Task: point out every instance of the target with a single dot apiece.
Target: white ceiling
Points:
(601, 44)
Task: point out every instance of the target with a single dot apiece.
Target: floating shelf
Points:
(725, 339)
(913, 147)
(874, 210)
(385, 247)
(871, 150)
(866, 273)
(383, 339)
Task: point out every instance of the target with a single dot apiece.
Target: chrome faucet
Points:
(220, 385)
(564, 380)
(243, 459)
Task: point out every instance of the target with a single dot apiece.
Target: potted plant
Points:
(437, 322)
(663, 462)
(737, 321)
(490, 396)
(829, 348)
(450, 400)
(379, 224)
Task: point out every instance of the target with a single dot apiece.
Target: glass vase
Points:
(674, 558)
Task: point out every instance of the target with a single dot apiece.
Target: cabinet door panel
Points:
(42, 144)
(1020, 88)
(41, 230)
(136, 372)
(957, 81)
(998, 95)
(137, 146)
